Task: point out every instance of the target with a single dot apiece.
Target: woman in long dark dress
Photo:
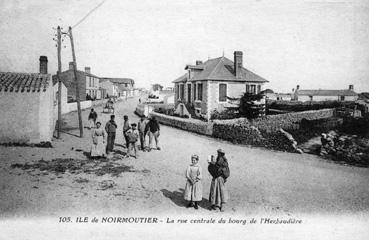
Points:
(219, 170)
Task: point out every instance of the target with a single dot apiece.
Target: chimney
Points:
(237, 63)
(351, 87)
(71, 66)
(43, 64)
(87, 69)
(198, 62)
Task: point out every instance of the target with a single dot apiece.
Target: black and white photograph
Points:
(184, 119)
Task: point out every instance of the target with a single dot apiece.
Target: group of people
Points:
(132, 133)
(219, 170)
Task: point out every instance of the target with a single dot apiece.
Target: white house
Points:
(325, 95)
(27, 106)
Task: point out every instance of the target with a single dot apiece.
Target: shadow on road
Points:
(120, 145)
(177, 198)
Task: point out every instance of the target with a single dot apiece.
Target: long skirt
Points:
(111, 140)
(98, 149)
(218, 192)
(193, 192)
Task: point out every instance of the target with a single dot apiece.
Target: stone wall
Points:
(259, 132)
(191, 125)
(289, 121)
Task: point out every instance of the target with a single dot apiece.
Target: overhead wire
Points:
(88, 14)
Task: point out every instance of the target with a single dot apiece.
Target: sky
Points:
(315, 44)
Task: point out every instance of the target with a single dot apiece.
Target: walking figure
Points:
(92, 118)
(193, 189)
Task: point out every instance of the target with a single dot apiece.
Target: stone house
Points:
(324, 94)
(207, 86)
(27, 106)
(88, 83)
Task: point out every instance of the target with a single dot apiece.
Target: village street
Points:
(261, 181)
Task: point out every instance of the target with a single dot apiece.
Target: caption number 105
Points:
(64, 219)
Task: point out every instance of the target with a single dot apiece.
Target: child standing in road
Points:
(193, 189)
(132, 137)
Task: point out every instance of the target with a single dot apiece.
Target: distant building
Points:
(325, 95)
(111, 89)
(87, 82)
(27, 106)
(125, 85)
(207, 86)
(279, 96)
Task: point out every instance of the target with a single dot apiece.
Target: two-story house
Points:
(89, 84)
(207, 86)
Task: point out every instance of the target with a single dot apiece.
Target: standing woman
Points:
(219, 170)
(193, 189)
(98, 142)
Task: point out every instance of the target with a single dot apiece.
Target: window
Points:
(222, 92)
(178, 93)
(253, 89)
(194, 91)
(247, 88)
(181, 92)
(189, 93)
(199, 91)
(259, 88)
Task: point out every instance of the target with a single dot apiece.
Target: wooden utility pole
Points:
(77, 83)
(59, 81)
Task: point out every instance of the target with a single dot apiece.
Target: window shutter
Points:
(222, 92)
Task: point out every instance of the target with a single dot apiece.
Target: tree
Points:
(157, 87)
(249, 108)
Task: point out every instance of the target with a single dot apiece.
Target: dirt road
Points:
(262, 181)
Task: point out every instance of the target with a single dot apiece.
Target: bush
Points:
(226, 114)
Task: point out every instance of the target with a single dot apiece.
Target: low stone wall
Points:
(289, 121)
(260, 132)
(191, 125)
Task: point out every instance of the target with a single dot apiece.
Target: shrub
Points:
(226, 114)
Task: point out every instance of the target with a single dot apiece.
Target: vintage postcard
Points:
(184, 119)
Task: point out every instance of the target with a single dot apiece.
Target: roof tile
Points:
(10, 81)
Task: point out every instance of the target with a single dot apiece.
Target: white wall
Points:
(64, 99)
(326, 98)
(26, 117)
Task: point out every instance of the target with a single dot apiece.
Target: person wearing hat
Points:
(153, 128)
(141, 129)
(219, 170)
(126, 127)
(110, 128)
(98, 142)
(92, 118)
